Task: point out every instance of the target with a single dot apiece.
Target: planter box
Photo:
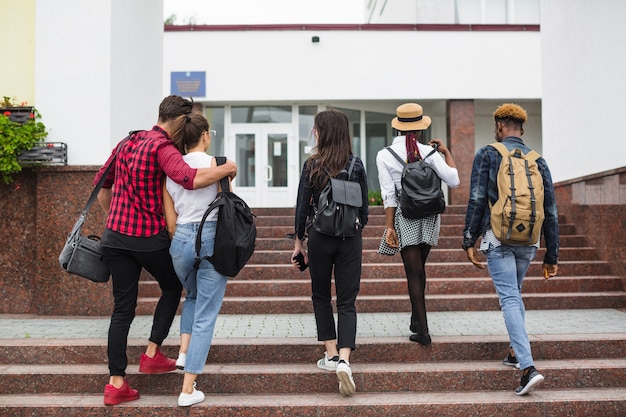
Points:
(18, 114)
(46, 153)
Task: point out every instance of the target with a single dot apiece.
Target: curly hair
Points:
(510, 112)
(333, 148)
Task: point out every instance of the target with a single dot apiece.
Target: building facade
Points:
(98, 70)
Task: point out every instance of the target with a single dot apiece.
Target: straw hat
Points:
(410, 116)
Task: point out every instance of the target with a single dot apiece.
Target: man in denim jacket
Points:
(508, 264)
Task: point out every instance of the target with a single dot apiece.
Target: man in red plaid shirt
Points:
(136, 237)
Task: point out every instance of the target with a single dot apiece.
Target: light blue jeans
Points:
(507, 266)
(204, 287)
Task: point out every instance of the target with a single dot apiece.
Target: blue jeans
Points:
(204, 287)
(507, 266)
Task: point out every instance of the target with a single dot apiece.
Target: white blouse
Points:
(390, 170)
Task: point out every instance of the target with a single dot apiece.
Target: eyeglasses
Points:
(212, 133)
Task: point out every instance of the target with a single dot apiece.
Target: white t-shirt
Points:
(190, 205)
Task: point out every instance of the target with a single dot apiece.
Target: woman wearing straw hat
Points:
(413, 238)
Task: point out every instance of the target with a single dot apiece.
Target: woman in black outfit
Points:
(332, 154)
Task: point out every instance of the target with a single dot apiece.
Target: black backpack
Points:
(421, 194)
(235, 234)
(337, 210)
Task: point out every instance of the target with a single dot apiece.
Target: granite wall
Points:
(37, 212)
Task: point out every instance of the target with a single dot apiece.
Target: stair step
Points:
(399, 303)
(372, 242)
(544, 402)
(433, 270)
(436, 255)
(280, 378)
(398, 286)
(306, 350)
(373, 230)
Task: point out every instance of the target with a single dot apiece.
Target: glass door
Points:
(266, 157)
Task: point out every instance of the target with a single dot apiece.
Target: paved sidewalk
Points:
(303, 325)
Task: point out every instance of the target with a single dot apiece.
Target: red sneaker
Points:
(157, 365)
(113, 396)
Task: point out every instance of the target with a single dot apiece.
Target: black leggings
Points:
(414, 259)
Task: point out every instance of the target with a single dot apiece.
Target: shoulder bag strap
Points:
(94, 193)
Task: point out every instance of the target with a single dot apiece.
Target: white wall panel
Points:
(583, 86)
(358, 65)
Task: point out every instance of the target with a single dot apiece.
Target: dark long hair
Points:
(333, 148)
(187, 134)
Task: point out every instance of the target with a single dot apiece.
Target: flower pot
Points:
(46, 153)
(18, 114)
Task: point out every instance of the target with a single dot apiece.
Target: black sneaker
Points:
(422, 339)
(529, 381)
(511, 360)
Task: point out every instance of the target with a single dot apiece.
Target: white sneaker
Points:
(346, 383)
(328, 364)
(180, 362)
(185, 400)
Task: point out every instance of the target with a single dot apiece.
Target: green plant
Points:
(375, 198)
(17, 137)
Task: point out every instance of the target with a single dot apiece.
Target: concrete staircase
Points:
(456, 375)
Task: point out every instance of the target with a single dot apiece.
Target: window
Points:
(215, 116)
(261, 114)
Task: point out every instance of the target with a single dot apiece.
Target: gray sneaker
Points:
(529, 381)
(346, 383)
(511, 361)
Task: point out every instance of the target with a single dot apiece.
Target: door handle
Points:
(270, 173)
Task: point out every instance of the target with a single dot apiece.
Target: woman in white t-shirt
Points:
(204, 287)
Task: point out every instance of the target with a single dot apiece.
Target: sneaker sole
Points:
(346, 384)
(533, 383)
(157, 370)
(119, 400)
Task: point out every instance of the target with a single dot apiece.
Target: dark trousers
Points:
(344, 255)
(126, 268)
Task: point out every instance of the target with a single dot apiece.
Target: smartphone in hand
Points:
(300, 259)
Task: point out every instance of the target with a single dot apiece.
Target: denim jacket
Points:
(484, 189)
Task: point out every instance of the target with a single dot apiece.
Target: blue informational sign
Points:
(188, 84)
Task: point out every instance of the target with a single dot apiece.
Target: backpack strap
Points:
(435, 147)
(353, 159)
(396, 155)
(221, 160)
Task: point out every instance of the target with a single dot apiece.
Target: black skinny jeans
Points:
(126, 268)
(345, 255)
